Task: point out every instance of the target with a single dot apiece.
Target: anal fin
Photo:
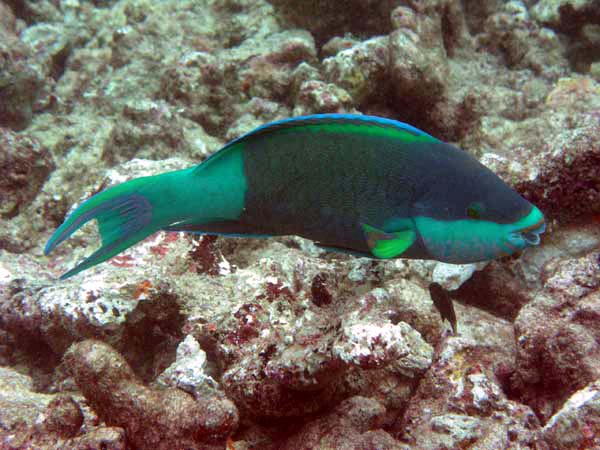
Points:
(217, 227)
(342, 250)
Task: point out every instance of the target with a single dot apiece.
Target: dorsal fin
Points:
(364, 122)
(352, 123)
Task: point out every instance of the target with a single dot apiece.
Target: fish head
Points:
(468, 214)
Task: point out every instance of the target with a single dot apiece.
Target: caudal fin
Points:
(124, 214)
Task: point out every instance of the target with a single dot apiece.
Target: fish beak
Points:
(530, 235)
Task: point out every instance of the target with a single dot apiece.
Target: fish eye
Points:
(475, 210)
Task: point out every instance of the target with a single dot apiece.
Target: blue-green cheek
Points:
(469, 240)
(462, 241)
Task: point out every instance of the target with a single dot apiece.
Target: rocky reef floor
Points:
(190, 342)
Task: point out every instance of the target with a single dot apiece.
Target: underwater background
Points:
(191, 342)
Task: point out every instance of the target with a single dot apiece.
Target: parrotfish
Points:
(352, 183)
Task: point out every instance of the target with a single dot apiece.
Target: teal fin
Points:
(388, 245)
(125, 216)
(216, 227)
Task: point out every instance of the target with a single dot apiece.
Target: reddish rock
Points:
(560, 172)
(152, 418)
(557, 335)
(63, 417)
(577, 423)
(460, 401)
(30, 419)
(291, 366)
(353, 425)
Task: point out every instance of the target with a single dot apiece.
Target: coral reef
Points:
(354, 424)
(21, 75)
(204, 342)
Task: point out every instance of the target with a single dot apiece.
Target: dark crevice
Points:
(582, 52)
(572, 21)
(495, 289)
(21, 10)
(417, 116)
(453, 28)
(448, 35)
(30, 353)
(151, 335)
(329, 19)
(23, 346)
(385, 102)
(477, 12)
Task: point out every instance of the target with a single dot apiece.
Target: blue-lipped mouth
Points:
(530, 234)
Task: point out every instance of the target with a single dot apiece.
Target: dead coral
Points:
(557, 351)
(30, 419)
(460, 401)
(354, 424)
(153, 418)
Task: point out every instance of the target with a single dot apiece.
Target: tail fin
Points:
(125, 217)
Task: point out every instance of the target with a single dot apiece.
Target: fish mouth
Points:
(529, 235)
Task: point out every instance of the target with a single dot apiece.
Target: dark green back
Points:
(321, 184)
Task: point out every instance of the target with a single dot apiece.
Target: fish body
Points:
(360, 184)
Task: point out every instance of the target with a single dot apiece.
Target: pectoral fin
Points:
(388, 245)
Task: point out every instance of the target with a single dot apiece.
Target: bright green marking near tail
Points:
(388, 245)
(357, 128)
